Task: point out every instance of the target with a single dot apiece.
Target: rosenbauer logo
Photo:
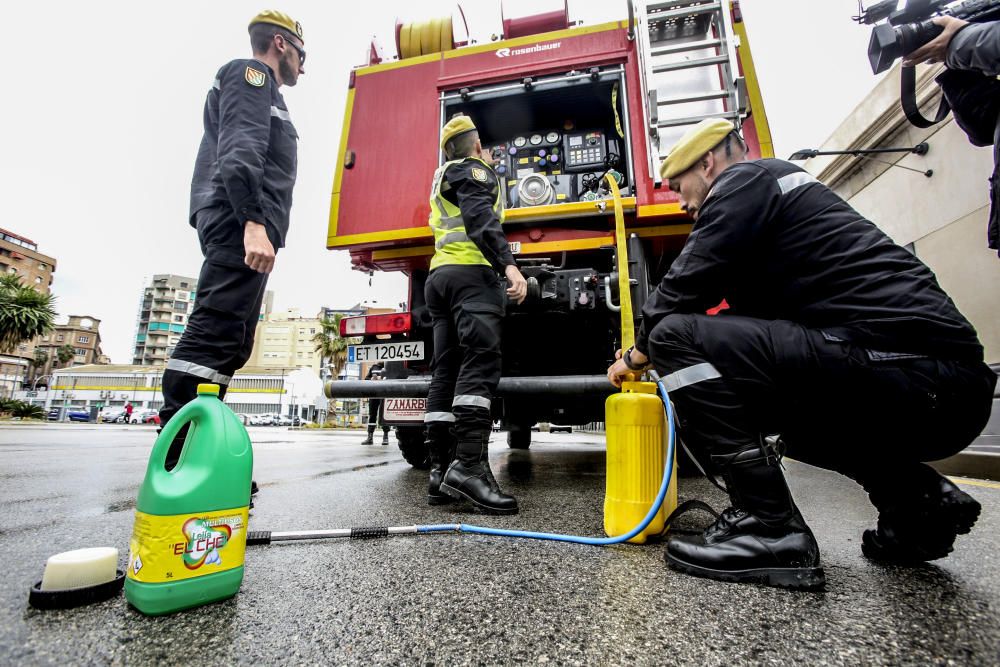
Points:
(508, 52)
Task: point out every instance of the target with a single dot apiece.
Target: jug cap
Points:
(207, 388)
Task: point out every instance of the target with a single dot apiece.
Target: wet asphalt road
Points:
(469, 599)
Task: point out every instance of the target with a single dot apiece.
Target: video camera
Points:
(909, 28)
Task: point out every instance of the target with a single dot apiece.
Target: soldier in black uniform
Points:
(375, 409)
(836, 338)
(466, 301)
(241, 195)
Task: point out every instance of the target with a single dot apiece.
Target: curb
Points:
(978, 465)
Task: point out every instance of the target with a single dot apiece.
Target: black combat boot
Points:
(761, 539)
(370, 440)
(469, 478)
(440, 455)
(920, 513)
(385, 438)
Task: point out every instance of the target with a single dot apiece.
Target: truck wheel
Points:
(412, 445)
(519, 438)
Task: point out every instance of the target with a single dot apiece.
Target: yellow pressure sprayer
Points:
(635, 425)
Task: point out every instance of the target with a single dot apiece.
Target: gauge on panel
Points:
(520, 141)
(536, 139)
(552, 137)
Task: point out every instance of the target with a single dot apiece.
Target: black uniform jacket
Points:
(248, 155)
(778, 244)
(475, 198)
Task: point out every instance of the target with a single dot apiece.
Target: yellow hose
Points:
(624, 284)
(421, 38)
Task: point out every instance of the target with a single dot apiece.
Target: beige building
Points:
(82, 333)
(942, 219)
(19, 255)
(284, 340)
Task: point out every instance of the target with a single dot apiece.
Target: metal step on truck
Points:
(559, 104)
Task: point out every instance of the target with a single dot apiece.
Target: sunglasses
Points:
(301, 51)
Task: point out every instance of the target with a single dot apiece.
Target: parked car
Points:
(243, 418)
(73, 415)
(146, 417)
(281, 420)
(113, 415)
(261, 420)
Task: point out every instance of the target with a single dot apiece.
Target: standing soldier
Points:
(241, 195)
(375, 409)
(466, 301)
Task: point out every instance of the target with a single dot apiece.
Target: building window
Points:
(59, 338)
(42, 266)
(178, 318)
(80, 352)
(38, 280)
(83, 339)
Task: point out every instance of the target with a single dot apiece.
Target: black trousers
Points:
(466, 304)
(375, 415)
(219, 335)
(835, 405)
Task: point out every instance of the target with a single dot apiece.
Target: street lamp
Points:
(864, 153)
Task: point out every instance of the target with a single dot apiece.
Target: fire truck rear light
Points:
(352, 326)
(371, 325)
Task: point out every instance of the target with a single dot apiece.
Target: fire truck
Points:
(560, 105)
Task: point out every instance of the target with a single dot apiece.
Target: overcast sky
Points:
(104, 114)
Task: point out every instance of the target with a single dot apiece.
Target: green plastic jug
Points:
(190, 531)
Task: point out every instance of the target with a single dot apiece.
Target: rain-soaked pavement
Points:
(469, 599)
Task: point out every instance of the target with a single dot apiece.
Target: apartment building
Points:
(164, 310)
(82, 333)
(19, 255)
(285, 340)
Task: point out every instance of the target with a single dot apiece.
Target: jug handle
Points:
(196, 410)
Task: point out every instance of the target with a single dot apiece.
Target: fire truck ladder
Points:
(688, 53)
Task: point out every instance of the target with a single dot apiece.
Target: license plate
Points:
(357, 354)
(404, 409)
(515, 247)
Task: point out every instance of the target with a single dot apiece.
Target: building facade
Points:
(285, 340)
(942, 218)
(285, 391)
(82, 333)
(164, 310)
(19, 255)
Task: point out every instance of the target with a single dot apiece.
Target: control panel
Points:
(544, 167)
(585, 150)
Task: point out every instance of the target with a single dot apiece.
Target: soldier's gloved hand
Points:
(518, 285)
(259, 251)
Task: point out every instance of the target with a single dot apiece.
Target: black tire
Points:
(519, 438)
(412, 445)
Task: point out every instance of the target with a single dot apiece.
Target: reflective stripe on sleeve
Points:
(794, 180)
(280, 113)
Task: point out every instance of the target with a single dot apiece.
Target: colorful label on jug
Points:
(184, 546)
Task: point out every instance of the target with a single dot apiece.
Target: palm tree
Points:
(65, 354)
(25, 313)
(330, 345)
(41, 358)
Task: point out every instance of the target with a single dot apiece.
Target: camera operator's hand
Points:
(937, 49)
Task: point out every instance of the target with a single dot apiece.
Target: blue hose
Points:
(579, 539)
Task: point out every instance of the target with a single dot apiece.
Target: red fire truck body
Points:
(558, 110)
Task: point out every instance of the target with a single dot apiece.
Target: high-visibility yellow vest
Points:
(451, 244)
